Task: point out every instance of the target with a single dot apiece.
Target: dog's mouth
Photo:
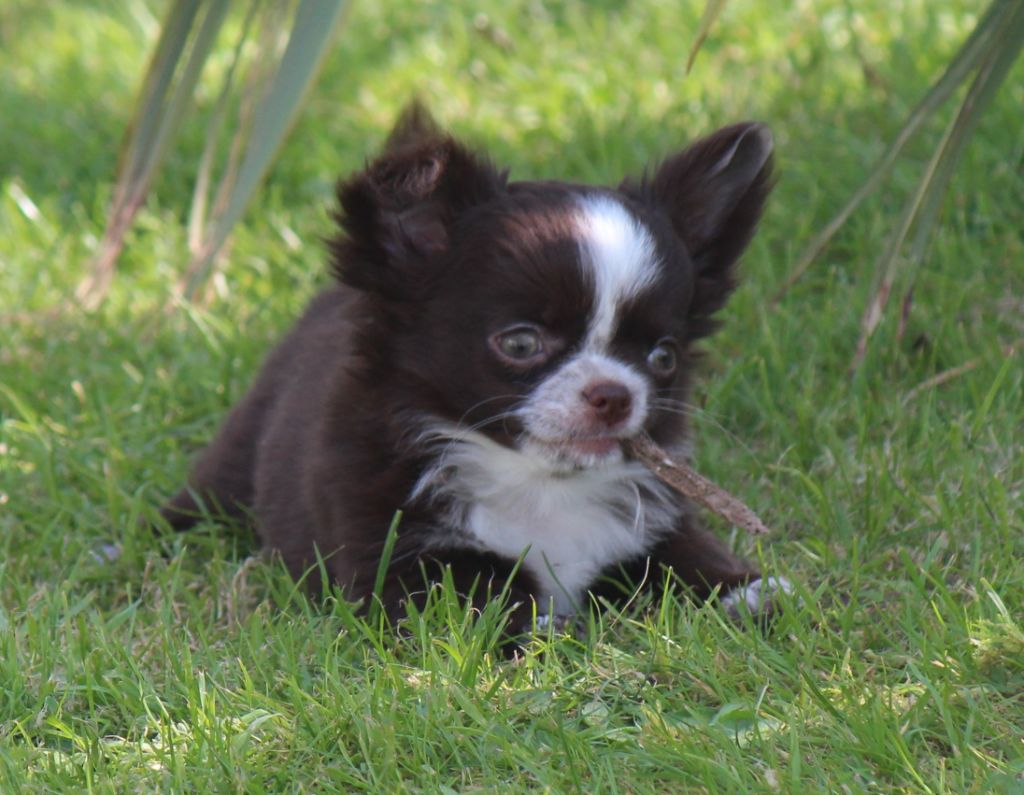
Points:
(580, 452)
(598, 446)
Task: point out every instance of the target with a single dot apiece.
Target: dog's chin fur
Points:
(505, 500)
(567, 457)
(489, 347)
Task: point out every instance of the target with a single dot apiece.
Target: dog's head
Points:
(557, 319)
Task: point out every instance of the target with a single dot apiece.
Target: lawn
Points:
(192, 664)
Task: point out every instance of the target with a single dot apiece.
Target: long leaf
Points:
(186, 86)
(253, 92)
(885, 273)
(315, 24)
(923, 208)
(977, 101)
(712, 10)
(129, 190)
(159, 126)
(960, 68)
(156, 84)
(200, 192)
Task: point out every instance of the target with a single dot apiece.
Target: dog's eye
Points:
(662, 358)
(520, 344)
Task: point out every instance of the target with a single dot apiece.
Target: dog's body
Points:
(487, 349)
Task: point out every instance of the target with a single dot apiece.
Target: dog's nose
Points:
(609, 401)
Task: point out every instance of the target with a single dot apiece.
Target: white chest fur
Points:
(569, 525)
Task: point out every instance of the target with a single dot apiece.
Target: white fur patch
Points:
(569, 525)
(758, 596)
(566, 502)
(554, 411)
(620, 253)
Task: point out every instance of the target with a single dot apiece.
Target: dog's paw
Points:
(557, 624)
(759, 598)
(520, 634)
(106, 554)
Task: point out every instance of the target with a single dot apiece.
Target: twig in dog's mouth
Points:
(690, 484)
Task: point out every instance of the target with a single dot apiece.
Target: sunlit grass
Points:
(193, 664)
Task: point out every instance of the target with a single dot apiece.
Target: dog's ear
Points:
(415, 124)
(714, 192)
(397, 213)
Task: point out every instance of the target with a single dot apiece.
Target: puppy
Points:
(486, 349)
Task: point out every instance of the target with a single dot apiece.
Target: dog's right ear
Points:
(396, 215)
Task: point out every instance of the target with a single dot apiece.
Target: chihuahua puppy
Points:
(486, 349)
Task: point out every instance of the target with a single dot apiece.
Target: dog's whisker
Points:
(480, 403)
(459, 434)
(682, 408)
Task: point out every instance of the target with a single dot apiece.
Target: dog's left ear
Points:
(714, 192)
(397, 214)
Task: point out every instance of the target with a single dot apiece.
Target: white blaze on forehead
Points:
(620, 254)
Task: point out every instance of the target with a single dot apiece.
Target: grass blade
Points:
(712, 10)
(130, 189)
(312, 32)
(200, 192)
(160, 121)
(923, 208)
(376, 601)
(966, 61)
(257, 80)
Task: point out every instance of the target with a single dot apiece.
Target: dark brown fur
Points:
(322, 450)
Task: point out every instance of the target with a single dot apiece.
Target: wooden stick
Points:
(695, 486)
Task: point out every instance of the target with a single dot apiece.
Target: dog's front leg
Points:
(477, 576)
(704, 562)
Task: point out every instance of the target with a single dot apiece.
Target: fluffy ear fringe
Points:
(714, 192)
(396, 214)
(415, 124)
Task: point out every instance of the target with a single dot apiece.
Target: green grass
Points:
(900, 670)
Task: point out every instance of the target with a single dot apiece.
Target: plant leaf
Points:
(200, 192)
(923, 207)
(712, 10)
(130, 188)
(967, 59)
(312, 32)
(159, 117)
(979, 97)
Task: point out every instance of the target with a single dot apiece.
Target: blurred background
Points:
(581, 90)
(585, 91)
